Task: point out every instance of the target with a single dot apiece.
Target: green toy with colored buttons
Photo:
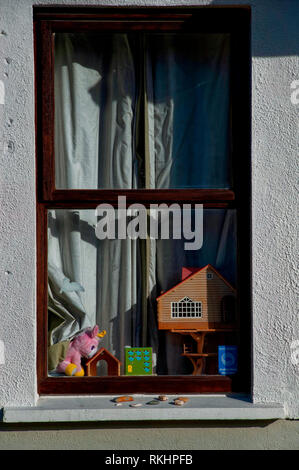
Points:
(138, 361)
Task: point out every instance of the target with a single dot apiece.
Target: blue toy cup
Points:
(227, 360)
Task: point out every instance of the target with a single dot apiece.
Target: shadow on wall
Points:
(275, 29)
(127, 425)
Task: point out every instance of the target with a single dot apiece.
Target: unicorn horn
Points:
(102, 334)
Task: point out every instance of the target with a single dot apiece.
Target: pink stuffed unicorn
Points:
(83, 345)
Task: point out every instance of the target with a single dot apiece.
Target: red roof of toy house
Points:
(188, 273)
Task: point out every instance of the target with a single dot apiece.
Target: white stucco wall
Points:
(275, 42)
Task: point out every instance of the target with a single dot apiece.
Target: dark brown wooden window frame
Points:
(233, 20)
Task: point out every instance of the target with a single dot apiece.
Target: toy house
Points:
(113, 364)
(203, 303)
(203, 300)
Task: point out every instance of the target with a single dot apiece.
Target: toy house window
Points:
(153, 106)
(186, 308)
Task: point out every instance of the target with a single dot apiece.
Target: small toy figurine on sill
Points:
(84, 345)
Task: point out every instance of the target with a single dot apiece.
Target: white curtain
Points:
(94, 148)
(187, 83)
(94, 112)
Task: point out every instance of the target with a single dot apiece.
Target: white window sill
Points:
(102, 408)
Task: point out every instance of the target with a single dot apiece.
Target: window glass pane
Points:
(132, 288)
(189, 110)
(95, 100)
(119, 124)
(91, 281)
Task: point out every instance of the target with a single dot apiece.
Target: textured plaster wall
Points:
(274, 150)
(278, 435)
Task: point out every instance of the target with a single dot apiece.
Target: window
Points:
(186, 308)
(152, 106)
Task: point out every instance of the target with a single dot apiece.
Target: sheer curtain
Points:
(188, 110)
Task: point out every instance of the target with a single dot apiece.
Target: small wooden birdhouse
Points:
(203, 299)
(102, 354)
